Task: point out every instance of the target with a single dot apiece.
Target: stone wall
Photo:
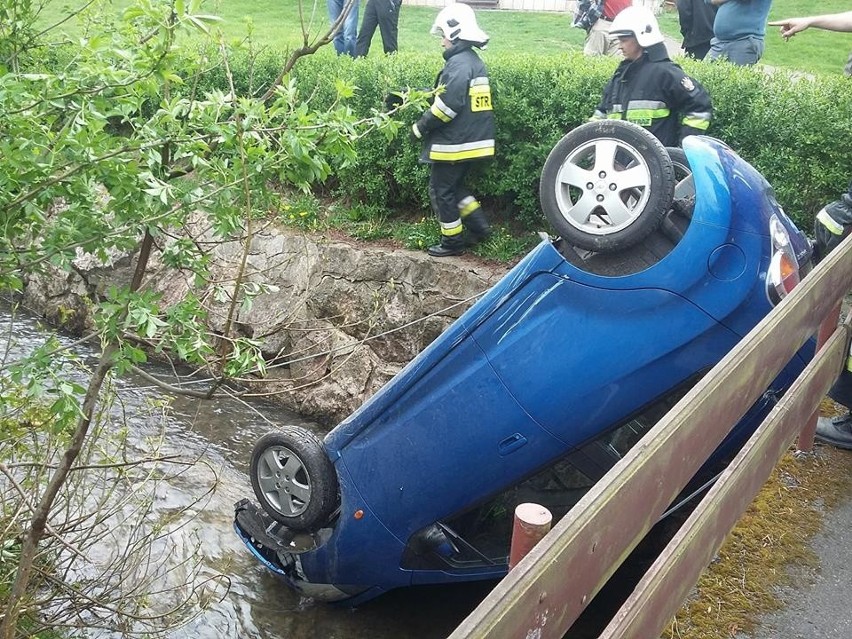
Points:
(343, 320)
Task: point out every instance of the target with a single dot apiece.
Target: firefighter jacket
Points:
(459, 126)
(654, 92)
(832, 224)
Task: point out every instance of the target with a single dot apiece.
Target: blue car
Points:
(665, 259)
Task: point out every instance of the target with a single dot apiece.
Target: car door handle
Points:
(511, 444)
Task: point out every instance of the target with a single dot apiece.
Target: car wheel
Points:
(683, 174)
(607, 185)
(294, 479)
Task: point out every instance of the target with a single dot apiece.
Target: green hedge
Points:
(795, 131)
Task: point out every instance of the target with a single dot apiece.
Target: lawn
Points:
(276, 23)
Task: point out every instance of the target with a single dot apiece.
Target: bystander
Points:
(383, 14)
(345, 38)
(738, 30)
(696, 19)
(595, 17)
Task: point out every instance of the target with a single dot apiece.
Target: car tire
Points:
(293, 478)
(607, 185)
(684, 186)
(680, 163)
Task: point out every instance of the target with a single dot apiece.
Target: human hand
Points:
(790, 26)
(416, 136)
(393, 100)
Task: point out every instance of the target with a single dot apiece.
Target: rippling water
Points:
(222, 432)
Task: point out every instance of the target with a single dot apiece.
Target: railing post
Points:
(829, 325)
(532, 523)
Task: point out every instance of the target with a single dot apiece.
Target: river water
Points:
(257, 605)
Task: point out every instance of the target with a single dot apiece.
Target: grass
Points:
(371, 224)
(769, 548)
(276, 23)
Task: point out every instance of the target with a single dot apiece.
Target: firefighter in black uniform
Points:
(833, 224)
(457, 130)
(649, 89)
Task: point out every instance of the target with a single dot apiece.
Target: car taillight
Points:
(783, 274)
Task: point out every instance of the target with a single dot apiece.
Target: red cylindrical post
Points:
(532, 522)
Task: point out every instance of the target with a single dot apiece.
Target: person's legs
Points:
(699, 51)
(612, 46)
(597, 39)
(368, 28)
(472, 216)
(743, 52)
(335, 8)
(717, 49)
(444, 181)
(388, 15)
(350, 29)
(837, 431)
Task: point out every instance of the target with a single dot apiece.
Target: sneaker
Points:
(836, 431)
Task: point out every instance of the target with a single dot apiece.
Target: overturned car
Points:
(665, 259)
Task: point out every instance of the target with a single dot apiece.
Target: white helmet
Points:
(458, 22)
(638, 22)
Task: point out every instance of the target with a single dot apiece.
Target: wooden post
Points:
(805, 442)
(532, 523)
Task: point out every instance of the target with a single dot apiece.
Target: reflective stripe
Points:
(696, 123)
(481, 80)
(647, 115)
(467, 151)
(468, 205)
(441, 110)
(451, 228)
(828, 222)
(849, 363)
(646, 105)
(644, 112)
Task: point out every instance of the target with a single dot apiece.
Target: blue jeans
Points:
(743, 51)
(344, 40)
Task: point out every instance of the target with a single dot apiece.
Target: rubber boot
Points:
(836, 431)
(450, 245)
(476, 225)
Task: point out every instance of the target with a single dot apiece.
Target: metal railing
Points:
(546, 592)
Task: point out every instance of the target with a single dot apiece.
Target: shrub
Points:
(790, 128)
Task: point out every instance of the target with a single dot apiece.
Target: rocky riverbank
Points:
(344, 317)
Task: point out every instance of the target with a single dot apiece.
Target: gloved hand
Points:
(392, 100)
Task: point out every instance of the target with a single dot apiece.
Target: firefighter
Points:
(832, 224)
(649, 89)
(457, 130)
